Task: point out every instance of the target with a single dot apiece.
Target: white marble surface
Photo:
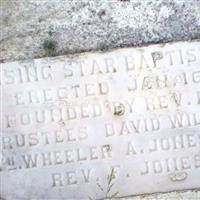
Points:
(119, 123)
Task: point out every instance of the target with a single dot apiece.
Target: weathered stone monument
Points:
(102, 125)
(90, 108)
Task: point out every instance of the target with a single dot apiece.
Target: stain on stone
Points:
(2, 60)
(101, 13)
(119, 109)
(49, 46)
(50, 32)
(103, 47)
(40, 20)
(107, 147)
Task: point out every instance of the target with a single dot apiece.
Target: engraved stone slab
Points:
(97, 125)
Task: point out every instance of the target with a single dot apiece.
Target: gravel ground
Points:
(38, 28)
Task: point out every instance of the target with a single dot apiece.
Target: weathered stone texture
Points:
(37, 28)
